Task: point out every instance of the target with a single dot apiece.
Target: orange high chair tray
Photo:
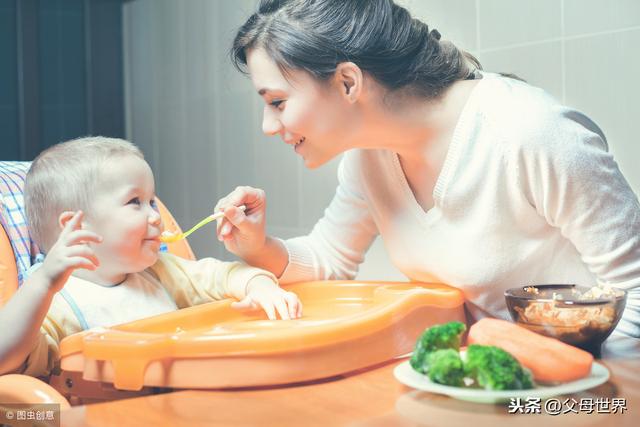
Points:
(347, 325)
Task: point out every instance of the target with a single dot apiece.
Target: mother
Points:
(472, 179)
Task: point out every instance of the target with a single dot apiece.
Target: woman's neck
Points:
(419, 131)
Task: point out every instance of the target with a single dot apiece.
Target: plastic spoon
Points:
(170, 237)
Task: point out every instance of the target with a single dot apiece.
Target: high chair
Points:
(17, 254)
(347, 326)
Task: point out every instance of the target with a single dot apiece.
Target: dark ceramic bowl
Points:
(562, 311)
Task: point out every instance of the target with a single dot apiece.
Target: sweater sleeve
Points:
(575, 184)
(208, 279)
(338, 242)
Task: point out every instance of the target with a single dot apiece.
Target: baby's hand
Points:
(69, 253)
(264, 292)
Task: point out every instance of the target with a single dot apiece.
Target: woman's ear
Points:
(350, 80)
(64, 218)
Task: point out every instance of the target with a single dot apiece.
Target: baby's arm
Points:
(263, 292)
(26, 310)
(208, 279)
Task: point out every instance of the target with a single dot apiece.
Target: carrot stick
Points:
(548, 359)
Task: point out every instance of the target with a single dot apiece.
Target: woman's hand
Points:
(69, 253)
(243, 233)
(262, 292)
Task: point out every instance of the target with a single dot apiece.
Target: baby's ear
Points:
(64, 218)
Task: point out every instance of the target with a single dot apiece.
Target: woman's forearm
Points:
(273, 257)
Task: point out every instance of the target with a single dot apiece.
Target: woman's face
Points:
(311, 116)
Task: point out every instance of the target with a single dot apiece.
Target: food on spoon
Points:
(548, 359)
(168, 236)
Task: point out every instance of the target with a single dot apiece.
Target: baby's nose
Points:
(154, 219)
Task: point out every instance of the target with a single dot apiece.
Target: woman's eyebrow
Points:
(264, 90)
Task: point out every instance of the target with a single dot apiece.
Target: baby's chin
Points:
(143, 262)
(149, 259)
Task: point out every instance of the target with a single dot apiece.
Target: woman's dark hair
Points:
(379, 36)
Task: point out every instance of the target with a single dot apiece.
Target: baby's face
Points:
(124, 212)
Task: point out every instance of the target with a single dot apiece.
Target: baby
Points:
(91, 208)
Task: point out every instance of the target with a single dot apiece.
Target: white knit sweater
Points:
(528, 194)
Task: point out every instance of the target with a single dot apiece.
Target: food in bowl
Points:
(576, 315)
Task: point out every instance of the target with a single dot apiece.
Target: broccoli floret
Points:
(446, 367)
(437, 337)
(494, 369)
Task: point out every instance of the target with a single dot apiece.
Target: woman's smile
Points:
(297, 146)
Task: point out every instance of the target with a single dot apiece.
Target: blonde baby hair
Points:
(63, 178)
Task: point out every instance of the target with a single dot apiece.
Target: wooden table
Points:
(370, 397)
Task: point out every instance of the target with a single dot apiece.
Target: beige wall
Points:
(198, 121)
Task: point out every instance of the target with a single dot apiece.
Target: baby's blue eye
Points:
(135, 200)
(276, 103)
(153, 203)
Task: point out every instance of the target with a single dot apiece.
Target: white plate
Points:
(407, 376)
